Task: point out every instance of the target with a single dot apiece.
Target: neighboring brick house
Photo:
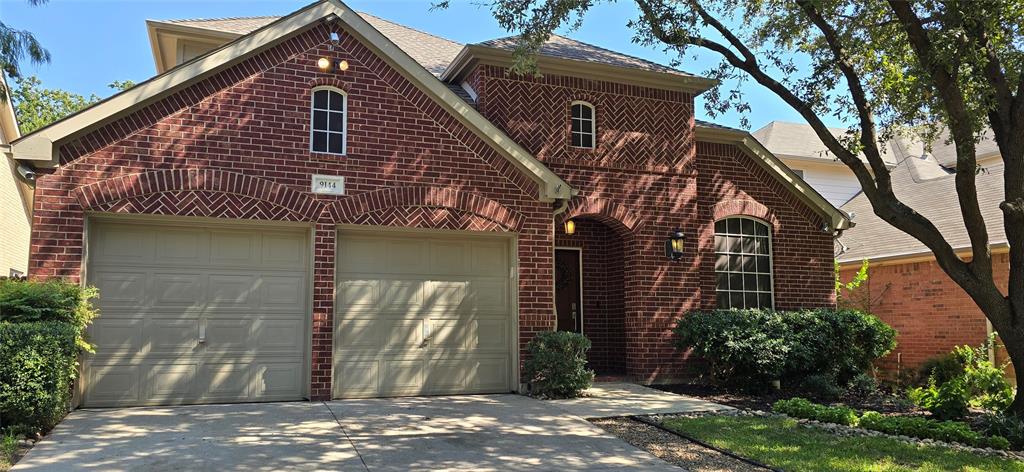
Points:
(332, 205)
(906, 288)
(15, 196)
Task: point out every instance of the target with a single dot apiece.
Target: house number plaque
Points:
(328, 184)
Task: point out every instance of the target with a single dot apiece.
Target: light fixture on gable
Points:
(329, 65)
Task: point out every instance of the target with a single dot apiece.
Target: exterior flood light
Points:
(328, 65)
(674, 245)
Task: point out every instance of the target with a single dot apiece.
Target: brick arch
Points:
(605, 210)
(744, 207)
(198, 192)
(430, 204)
(329, 82)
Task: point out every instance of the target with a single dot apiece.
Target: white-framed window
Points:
(328, 121)
(583, 120)
(743, 263)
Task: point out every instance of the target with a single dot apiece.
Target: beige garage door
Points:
(422, 314)
(197, 315)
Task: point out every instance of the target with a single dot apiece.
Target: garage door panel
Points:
(120, 289)
(117, 335)
(282, 291)
(278, 380)
(171, 381)
(252, 315)
(171, 336)
(402, 294)
(181, 247)
(224, 381)
(234, 248)
(415, 322)
(279, 336)
(113, 384)
(357, 378)
(284, 251)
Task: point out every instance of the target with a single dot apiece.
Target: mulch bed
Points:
(880, 402)
(672, 448)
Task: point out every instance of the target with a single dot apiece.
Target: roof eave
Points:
(837, 219)
(472, 54)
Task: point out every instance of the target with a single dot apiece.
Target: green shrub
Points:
(23, 301)
(946, 402)
(38, 368)
(944, 368)
(862, 385)
(751, 347)
(965, 377)
(925, 428)
(821, 386)
(1006, 426)
(557, 364)
(802, 408)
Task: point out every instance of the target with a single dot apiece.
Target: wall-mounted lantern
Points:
(570, 227)
(674, 245)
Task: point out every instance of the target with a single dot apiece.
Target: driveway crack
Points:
(349, 438)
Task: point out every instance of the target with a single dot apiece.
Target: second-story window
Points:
(583, 120)
(330, 107)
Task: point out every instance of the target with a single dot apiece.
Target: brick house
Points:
(906, 288)
(330, 205)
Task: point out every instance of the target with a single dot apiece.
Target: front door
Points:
(568, 292)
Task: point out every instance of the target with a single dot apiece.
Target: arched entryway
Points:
(590, 268)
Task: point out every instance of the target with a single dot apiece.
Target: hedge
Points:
(801, 408)
(38, 368)
(752, 347)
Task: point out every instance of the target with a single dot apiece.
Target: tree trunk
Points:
(1012, 336)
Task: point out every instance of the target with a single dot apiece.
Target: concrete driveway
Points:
(481, 432)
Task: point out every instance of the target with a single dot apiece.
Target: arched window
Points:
(329, 120)
(583, 119)
(743, 263)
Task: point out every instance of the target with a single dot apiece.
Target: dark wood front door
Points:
(568, 295)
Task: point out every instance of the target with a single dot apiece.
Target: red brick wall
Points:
(930, 312)
(237, 146)
(647, 177)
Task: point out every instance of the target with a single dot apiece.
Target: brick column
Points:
(322, 358)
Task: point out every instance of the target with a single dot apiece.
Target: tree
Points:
(888, 66)
(15, 46)
(37, 106)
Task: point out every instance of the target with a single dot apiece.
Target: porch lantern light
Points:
(674, 245)
(570, 227)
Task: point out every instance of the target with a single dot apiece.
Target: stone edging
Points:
(849, 431)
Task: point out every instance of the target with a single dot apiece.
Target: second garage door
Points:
(193, 314)
(422, 314)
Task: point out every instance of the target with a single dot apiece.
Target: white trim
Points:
(771, 256)
(469, 89)
(344, 119)
(580, 260)
(592, 120)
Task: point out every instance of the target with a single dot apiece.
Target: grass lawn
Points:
(781, 443)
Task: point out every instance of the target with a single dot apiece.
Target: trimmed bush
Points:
(802, 408)
(38, 368)
(821, 386)
(23, 301)
(751, 347)
(557, 364)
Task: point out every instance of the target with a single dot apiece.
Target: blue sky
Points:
(94, 42)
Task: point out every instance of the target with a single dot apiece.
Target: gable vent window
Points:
(583, 125)
(330, 107)
(743, 263)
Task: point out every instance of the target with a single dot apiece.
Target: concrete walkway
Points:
(605, 400)
(476, 432)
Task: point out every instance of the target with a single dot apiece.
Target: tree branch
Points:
(963, 137)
